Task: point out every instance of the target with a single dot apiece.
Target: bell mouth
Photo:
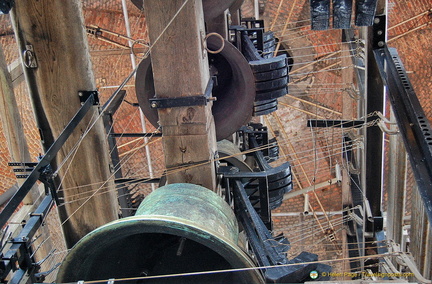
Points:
(157, 247)
(145, 248)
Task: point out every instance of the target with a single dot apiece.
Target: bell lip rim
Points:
(236, 258)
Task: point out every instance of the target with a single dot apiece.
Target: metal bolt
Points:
(376, 20)
(154, 105)
(380, 43)
(380, 32)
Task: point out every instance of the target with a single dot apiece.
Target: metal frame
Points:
(184, 101)
(335, 123)
(411, 119)
(20, 251)
(45, 161)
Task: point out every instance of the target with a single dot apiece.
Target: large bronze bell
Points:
(178, 229)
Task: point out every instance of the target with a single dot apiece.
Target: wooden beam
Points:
(12, 124)
(180, 69)
(54, 29)
(19, 152)
(17, 74)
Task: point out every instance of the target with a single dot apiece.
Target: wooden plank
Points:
(180, 68)
(55, 30)
(19, 152)
(16, 72)
(12, 125)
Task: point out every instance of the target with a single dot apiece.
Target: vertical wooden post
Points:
(18, 150)
(180, 69)
(12, 124)
(54, 29)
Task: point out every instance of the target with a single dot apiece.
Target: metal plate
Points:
(272, 84)
(274, 94)
(268, 64)
(271, 75)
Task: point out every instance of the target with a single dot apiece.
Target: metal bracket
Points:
(379, 32)
(384, 128)
(29, 58)
(6, 6)
(185, 101)
(84, 95)
(335, 123)
(19, 253)
(408, 260)
(354, 216)
(382, 124)
(412, 121)
(14, 202)
(24, 168)
(42, 275)
(17, 164)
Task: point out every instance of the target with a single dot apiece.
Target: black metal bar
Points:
(18, 251)
(411, 119)
(265, 212)
(365, 12)
(320, 14)
(184, 101)
(260, 229)
(22, 170)
(342, 10)
(114, 102)
(379, 31)
(374, 135)
(18, 276)
(256, 244)
(267, 249)
(335, 123)
(14, 202)
(116, 135)
(18, 164)
(124, 196)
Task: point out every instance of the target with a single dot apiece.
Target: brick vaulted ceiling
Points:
(316, 91)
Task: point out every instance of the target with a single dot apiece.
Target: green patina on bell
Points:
(179, 228)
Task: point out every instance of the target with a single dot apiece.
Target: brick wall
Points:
(313, 153)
